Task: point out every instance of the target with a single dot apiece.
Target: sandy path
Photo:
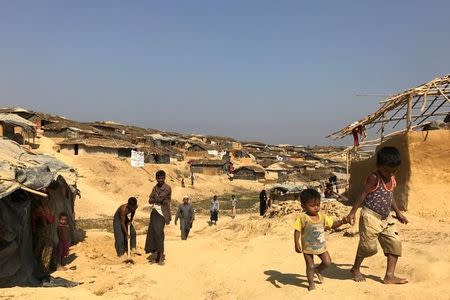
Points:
(245, 258)
(236, 260)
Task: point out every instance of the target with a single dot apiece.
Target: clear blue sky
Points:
(276, 71)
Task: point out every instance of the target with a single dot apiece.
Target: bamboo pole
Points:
(442, 93)
(409, 113)
(430, 105)
(369, 143)
(382, 127)
(404, 117)
(23, 187)
(33, 191)
(347, 168)
(432, 113)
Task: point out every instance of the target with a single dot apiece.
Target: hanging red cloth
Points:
(355, 137)
(355, 132)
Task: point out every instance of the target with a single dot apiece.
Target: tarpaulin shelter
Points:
(26, 180)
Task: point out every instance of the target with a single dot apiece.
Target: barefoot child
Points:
(310, 226)
(233, 206)
(63, 240)
(375, 222)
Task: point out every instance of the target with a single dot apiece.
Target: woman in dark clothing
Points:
(262, 202)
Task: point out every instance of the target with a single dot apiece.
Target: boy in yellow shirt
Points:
(310, 228)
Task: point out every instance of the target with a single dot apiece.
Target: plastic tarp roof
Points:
(19, 168)
(17, 121)
(291, 188)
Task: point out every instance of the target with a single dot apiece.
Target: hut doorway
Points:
(75, 147)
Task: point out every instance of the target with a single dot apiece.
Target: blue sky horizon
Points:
(284, 72)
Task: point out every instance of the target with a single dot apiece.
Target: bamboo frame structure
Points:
(429, 101)
(433, 96)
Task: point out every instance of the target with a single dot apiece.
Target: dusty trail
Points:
(256, 261)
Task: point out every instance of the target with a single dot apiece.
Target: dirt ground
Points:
(106, 182)
(249, 258)
(244, 258)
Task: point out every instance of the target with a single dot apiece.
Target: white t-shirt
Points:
(214, 205)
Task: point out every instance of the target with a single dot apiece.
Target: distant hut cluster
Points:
(208, 155)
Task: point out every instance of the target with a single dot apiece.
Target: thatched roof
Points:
(99, 142)
(267, 162)
(279, 166)
(415, 106)
(205, 147)
(46, 117)
(263, 155)
(15, 120)
(32, 116)
(153, 150)
(160, 137)
(252, 144)
(128, 129)
(220, 138)
(255, 169)
(7, 110)
(297, 164)
(69, 124)
(207, 162)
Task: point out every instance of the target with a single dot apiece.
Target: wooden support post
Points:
(409, 113)
(382, 127)
(347, 167)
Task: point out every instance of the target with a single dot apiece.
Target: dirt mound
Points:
(423, 179)
(332, 208)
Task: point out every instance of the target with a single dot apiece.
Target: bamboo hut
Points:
(16, 128)
(249, 173)
(97, 146)
(404, 120)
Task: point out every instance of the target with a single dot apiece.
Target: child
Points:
(63, 240)
(187, 216)
(214, 210)
(233, 206)
(328, 193)
(310, 226)
(375, 222)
